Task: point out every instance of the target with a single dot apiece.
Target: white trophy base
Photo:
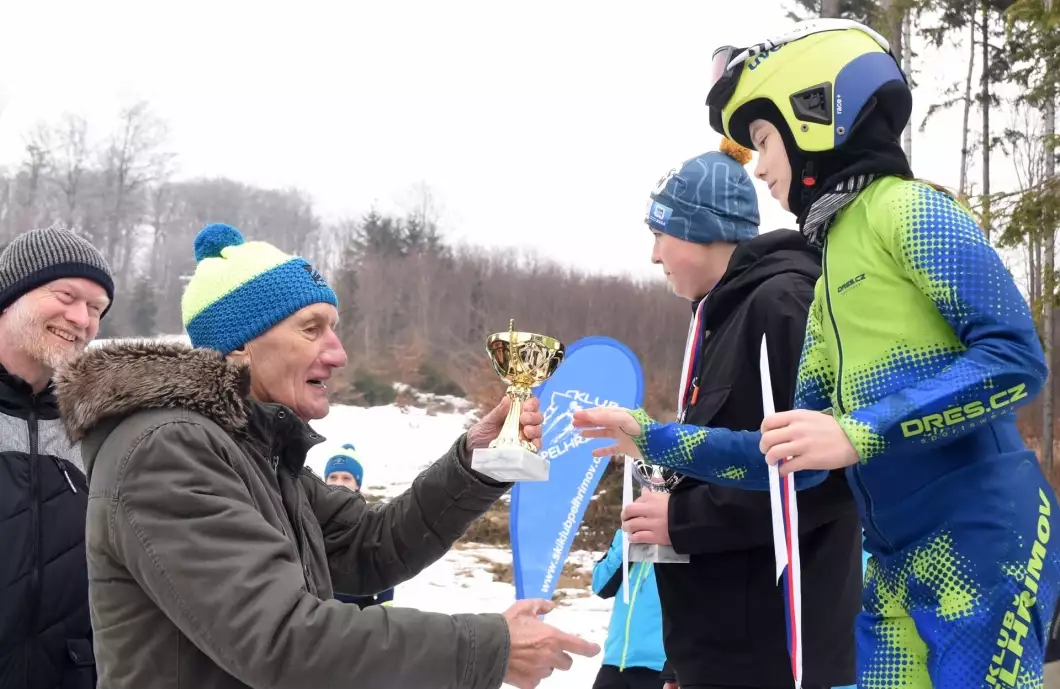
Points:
(510, 463)
(653, 552)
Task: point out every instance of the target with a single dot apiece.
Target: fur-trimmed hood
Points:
(114, 380)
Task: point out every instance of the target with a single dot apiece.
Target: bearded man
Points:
(54, 289)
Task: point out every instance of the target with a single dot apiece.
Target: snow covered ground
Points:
(395, 444)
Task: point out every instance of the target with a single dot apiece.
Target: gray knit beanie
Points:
(37, 257)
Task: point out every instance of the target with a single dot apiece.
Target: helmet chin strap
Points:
(809, 181)
(799, 197)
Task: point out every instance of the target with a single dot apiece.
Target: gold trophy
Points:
(524, 360)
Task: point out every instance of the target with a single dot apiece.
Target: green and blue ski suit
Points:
(921, 346)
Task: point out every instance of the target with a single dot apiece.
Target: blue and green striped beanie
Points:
(242, 289)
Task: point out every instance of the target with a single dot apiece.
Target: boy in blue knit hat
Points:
(699, 213)
(723, 613)
(345, 469)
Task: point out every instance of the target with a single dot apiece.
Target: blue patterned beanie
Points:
(709, 199)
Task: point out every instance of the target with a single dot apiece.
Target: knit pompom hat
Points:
(710, 198)
(345, 459)
(242, 289)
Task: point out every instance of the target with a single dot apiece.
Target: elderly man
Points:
(213, 552)
(54, 288)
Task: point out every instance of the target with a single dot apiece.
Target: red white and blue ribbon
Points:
(785, 513)
(689, 386)
(686, 395)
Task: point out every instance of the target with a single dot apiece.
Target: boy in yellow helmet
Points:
(919, 348)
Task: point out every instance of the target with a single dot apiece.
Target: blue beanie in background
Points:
(345, 461)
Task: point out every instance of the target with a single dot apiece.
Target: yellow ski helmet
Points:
(814, 81)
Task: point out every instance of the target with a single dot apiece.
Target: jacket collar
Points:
(280, 435)
(112, 381)
(754, 262)
(17, 397)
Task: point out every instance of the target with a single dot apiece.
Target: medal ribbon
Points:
(785, 513)
(689, 386)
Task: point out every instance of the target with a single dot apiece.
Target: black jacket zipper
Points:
(835, 329)
(869, 512)
(35, 519)
(303, 542)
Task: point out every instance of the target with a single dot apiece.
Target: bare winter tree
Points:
(71, 159)
(1034, 65)
(422, 204)
(962, 188)
(133, 159)
(1025, 145)
(952, 20)
(163, 206)
(34, 173)
(830, 8)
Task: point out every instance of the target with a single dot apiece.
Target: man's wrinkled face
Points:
(55, 322)
(343, 478)
(292, 362)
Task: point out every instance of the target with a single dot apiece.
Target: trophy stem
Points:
(510, 431)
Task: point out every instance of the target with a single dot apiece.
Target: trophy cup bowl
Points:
(524, 361)
(658, 480)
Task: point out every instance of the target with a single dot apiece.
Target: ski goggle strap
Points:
(728, 61)
(725, 67)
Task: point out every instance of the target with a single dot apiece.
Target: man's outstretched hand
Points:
(486, 430)
(538, 648)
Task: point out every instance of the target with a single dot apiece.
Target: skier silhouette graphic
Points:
(569, 415)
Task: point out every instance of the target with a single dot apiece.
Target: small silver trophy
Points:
(658, 480)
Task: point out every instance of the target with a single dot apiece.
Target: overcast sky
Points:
(542, 125)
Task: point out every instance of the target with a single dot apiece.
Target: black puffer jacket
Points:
(45, 632)
(723, 612)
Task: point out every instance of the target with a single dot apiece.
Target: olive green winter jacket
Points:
(212, 550)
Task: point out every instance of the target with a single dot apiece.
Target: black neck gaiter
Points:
(873, 151)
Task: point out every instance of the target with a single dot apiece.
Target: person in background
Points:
(633, 652)
(54, 289)
(345, 469)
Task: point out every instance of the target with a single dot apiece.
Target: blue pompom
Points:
(213, 238)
